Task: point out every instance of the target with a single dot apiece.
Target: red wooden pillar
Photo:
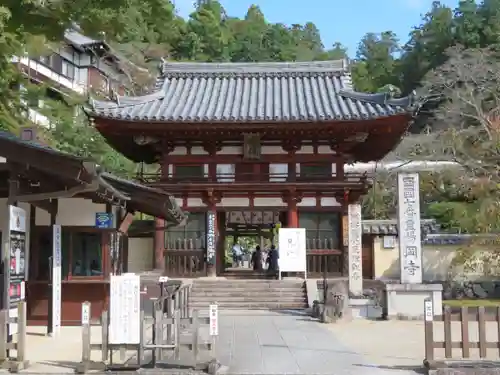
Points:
(292, 198)
(159, 244)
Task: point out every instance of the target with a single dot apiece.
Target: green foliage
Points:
(143, 31)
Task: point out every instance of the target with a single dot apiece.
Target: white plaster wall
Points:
(179, 150)
(329, 202)
(305, 150)
(270, 202)
(270, 150)
(140, 254)
(197, 150)
(325, 150)
(234, 202)
(195, 202)
(72, 212)
(307, 202)
(4, 227)
(231, 150)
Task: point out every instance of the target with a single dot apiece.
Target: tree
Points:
(466, 87)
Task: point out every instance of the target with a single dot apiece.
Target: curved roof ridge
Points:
(127, 101)
(382, 98)
(255, 67)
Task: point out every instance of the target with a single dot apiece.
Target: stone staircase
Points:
(249, 294)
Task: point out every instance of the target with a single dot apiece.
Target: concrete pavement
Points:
(288, 342)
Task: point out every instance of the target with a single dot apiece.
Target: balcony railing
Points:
(45, 71)
(225, 178)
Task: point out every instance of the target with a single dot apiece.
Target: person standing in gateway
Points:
(237, 255)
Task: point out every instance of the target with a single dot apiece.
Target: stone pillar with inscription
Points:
(355, 249)
(406, 299)
(410, 241)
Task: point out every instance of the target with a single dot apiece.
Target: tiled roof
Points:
(252, 92)
(390, 227)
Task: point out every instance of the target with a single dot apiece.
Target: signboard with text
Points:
(410, 241)
(355, 249)
(125, 312)
(292, 250)
(56, 278)
(211, 237)
(16, 247)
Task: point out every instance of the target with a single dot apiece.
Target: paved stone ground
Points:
(287, 342)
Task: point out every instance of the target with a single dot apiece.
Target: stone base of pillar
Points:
(211, 270)
(406, 301)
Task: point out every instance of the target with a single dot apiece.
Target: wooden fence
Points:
(160, 333)
(468, 319)
(17, 341)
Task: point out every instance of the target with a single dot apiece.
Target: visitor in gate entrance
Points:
(272, 259)
(237, 255)
(257, 259)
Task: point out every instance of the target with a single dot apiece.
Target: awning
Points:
(44, 173)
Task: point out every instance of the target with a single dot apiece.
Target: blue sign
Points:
(103, 220)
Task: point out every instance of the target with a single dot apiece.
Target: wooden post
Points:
(482, 332)
(170, 314)
(177, 334)
(4, 320)
(448, 345)
(157, 337)
(195, 326)
(104, 335)
(429, 333)
(85, 365)
(21, 332)
(143, 339)
(464, 322)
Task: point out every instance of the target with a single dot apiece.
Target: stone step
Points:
(238, 292)
(249, 288)
(209, 299)
(247, 284)
(253, 305)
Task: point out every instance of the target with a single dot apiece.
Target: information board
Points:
(17, 261)
(56, 279)
(124, 312)
(214, 320)
(292, 250)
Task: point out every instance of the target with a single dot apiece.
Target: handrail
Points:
(178, 299)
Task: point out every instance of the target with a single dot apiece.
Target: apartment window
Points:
(189, 172)
(81, 254)
(68, 69)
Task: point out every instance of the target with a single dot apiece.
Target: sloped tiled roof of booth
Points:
(252, 92)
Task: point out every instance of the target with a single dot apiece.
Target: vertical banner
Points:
(211, 243)
(410, 241)
(56, 279)
(16, 254)
(355, 249)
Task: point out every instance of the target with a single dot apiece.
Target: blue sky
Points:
(345, 21)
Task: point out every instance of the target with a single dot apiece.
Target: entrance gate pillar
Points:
(292, 198)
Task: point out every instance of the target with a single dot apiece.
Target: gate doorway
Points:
(248, 229)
